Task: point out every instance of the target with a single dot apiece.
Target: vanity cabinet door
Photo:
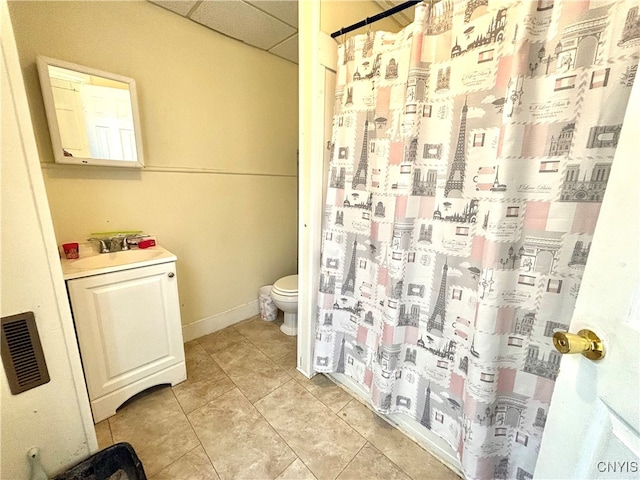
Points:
(128, 325)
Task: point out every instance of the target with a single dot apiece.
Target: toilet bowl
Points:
(284, 294)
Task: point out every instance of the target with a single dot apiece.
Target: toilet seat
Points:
(283, 297)
(286, 286)
(284, 294)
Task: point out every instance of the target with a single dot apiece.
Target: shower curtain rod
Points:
(375, 18)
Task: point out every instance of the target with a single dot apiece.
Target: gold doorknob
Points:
(585, 342)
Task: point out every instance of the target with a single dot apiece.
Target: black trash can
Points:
(117, 462)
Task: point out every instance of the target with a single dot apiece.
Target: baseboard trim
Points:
(219, 321)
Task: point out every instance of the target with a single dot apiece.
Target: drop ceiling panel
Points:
(285, 10)
(243, 22)
(287, 49)
(181, 7)
(404, 17)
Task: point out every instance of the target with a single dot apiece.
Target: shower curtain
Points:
(470, 155)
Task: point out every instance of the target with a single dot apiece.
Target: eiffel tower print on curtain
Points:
(349, 283)
(436, 320)
(426, 414)
(360, 175)
(456, 174)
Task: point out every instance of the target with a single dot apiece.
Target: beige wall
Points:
(219, 122)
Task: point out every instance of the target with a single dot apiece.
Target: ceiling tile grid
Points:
(242, 21)
(270, 25)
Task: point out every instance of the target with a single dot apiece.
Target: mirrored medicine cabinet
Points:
(92, 115)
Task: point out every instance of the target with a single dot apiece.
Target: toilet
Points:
(284, 294)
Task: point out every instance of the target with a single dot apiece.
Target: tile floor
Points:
(245, 412)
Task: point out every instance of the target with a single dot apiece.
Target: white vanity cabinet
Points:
(129, 331)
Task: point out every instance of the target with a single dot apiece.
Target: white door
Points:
(109, 122)
(593, 425)
(70, 115)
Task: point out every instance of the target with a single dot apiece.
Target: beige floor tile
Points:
(371, 464)
(322, 441)
(297, 471)
(220, 340)
(289, 364)
(238, 440)
(195, 465)
(325, 390)
(193, 351)
(250, 369)
(267, 337)
(103, 433)
(400, 449)
(319, 386)
(156, 427)
(205, 379)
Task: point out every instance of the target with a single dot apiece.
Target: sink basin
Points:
(105, 260)
(98, 263)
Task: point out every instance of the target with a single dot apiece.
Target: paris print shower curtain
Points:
(470, 155)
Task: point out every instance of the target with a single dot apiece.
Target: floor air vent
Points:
(22, 353)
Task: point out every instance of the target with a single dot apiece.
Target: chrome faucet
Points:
(103, 244)
(116, 243)
(125, 240)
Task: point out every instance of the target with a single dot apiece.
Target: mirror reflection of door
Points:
(109, 122)
(94, 115)
(66, 97)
